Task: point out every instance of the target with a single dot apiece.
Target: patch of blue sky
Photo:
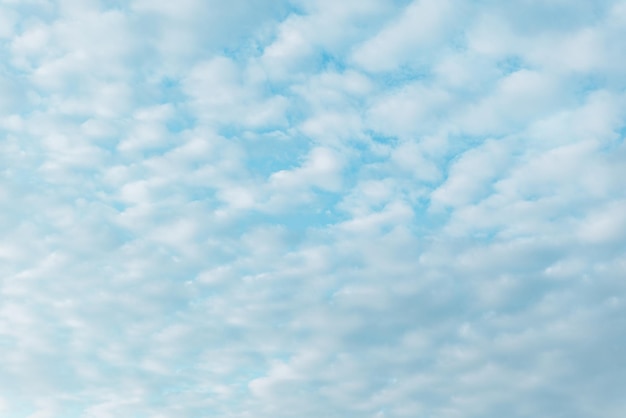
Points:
(621, 135)
(404, 75)
(585, 84)
(44, 12)
(427, 222)
(460, 142)
(333, 62)
(318, 213)
(378, 137)
(120, 5)
(267, 154)
(511, 64)
(181, 122)
(170, 91)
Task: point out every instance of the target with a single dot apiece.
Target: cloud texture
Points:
(285, 208)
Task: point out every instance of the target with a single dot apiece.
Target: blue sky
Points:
(320, 208)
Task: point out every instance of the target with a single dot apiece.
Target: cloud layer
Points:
(292, 208)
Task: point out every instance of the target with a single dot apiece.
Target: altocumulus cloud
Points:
(289, 208)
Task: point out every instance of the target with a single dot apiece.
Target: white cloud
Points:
(422, 26)
(472, 175)
(225, 95)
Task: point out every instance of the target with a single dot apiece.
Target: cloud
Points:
(339, 209)
(421, 26)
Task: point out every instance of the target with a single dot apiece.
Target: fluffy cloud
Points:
(287, 208)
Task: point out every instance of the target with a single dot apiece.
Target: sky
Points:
(312, 208)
